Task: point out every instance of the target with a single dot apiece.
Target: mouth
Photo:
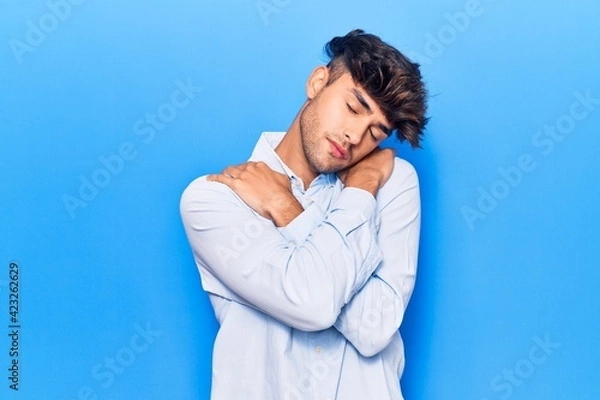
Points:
(338, 150)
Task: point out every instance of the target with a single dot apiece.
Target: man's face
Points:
(340, 126)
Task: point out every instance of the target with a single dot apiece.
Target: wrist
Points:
(370, 184)
(282, 209)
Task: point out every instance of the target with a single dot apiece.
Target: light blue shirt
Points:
(310, 310)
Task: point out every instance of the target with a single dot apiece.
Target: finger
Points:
(221, 178)
(233, 171)
(245, 165)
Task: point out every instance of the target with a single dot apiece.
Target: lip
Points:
(337, 150)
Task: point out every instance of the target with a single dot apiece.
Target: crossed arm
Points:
(351, 267)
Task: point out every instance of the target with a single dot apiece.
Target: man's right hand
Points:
(370, 173)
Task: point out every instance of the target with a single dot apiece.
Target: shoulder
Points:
(198, 186)
(400, 196)
(403, 176)
(403, 182)
(401, 166)
(204, 195)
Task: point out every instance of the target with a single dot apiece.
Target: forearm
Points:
(364, 182)
(284, 210)
(284, 207)
(373, 316)
(303, 285)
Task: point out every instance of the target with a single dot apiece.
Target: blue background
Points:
(495, 278)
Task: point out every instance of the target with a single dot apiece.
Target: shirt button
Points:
(318, 349)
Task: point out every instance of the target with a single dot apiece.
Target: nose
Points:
(352, 135)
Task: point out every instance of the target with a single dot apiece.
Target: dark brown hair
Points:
(389, 77)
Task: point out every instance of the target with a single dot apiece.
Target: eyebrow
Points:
(361, 100)
(364, 103)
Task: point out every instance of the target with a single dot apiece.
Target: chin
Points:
(330, 168)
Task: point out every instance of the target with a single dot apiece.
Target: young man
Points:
(309, 251)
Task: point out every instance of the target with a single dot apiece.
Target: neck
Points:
(290, 151)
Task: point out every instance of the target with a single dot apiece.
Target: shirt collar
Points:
(265, 151)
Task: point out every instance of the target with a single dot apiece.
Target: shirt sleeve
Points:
(300, 227)
(373, 316)
(304, 285)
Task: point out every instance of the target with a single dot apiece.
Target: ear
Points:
(317, 81)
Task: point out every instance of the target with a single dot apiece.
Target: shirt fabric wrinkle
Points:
(373, 276)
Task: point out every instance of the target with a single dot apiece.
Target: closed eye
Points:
(352, 110)
(375, 138)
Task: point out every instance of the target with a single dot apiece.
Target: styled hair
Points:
(389, 78)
